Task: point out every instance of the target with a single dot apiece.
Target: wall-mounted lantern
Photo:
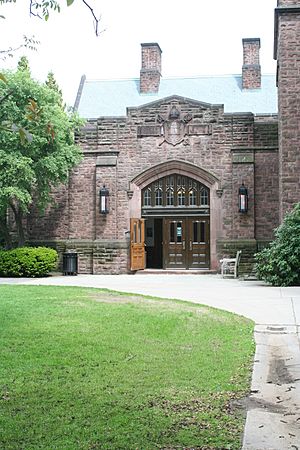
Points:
(243, 199)
(104, 195)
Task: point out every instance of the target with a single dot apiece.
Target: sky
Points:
(197, 37)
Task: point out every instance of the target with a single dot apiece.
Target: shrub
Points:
(279, 264)
(27, 262)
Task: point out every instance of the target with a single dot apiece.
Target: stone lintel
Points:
(149, 130)
(271, 148)
(103, 161)
(199, 129)
(241, 156)
(233, 242)
(78, 244)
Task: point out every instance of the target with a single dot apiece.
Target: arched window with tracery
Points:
(175, 191)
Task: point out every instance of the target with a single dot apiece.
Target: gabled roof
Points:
(98, 98)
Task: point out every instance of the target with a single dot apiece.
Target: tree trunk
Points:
(18, 214)
(5, 233)
(20, 229)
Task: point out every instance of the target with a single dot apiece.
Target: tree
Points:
(23, 64)
(279, 264)
(52, 84)
(32, 166)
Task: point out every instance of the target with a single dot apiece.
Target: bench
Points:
(230, 266)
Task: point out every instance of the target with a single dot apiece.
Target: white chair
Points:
(230, 266)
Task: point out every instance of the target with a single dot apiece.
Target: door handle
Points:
(183, 245)
(191, 247)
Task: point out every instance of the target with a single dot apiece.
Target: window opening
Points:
(175, 191)
(172, 232)
(147, 197)
(204, 197)
(179, 232)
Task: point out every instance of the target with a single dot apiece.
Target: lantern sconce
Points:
(104, 195)
(243, 199)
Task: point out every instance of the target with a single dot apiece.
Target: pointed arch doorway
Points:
(176, 210)
(182, 217)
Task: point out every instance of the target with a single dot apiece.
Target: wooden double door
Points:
(170, 243)
(186, 243)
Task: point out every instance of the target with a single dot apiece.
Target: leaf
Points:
(69, 2)
(3, 78)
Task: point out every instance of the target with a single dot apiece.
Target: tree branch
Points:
(96, 21)
(2, 99)
(44, 6)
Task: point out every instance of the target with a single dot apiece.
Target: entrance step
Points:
(176, 272)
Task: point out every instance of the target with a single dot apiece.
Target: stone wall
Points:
(287, 38)
(220, 150)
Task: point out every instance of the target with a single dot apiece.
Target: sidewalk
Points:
(273, 418)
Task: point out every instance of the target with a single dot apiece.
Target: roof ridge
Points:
(186, 77)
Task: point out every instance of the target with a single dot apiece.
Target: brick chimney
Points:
(287, 3)
(151, 68)
(251, 71)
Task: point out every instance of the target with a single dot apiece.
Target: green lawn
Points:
(93, 369)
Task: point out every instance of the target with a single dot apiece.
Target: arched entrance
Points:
(176, 212)
(175, 201)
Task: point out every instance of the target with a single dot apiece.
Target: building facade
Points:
(173, 154)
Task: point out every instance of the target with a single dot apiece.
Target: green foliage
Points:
(37, 147)
(279, 264)
(27, 262)
(23, 64)
(52, 84)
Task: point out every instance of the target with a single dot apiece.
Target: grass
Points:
(93, 369)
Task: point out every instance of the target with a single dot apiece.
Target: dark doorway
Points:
(154, 243)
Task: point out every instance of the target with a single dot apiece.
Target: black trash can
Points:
(70, 263)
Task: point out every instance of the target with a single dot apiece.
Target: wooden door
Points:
(137, 244)
(174, 248)
(198, 255)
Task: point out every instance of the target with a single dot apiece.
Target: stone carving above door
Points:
(174, 126)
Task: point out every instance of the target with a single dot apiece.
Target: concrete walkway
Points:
(273, 417)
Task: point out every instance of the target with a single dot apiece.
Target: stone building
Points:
(173, 155)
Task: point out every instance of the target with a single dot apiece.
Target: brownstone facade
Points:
(193, 141)
(220, 150)
(287, 53)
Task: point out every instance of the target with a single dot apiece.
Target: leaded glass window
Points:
(147, 197)
(158, 193)
(204, 197)
(175, 191)
(170, 191)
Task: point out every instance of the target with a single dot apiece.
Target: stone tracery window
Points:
(175, 191)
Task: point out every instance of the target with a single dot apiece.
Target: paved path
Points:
(273, 418)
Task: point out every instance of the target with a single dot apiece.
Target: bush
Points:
(27, 262)
(279, 264)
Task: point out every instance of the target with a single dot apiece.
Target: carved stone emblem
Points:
(174, 127)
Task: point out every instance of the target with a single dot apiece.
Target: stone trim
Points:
(103, 161)
(174, 98)
(243, 158)
(151, 44)
(254, 149)
(177, 166)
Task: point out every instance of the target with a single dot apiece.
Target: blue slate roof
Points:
(98, 98)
